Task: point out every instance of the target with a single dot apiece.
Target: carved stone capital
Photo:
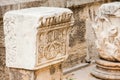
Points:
(36, 37)
(107, 30)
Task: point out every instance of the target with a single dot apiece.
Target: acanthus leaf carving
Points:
(107, 32)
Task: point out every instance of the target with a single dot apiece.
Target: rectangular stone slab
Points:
(36, 37)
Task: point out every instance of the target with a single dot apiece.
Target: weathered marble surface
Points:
(76, 35)
(107, 33)
(36, 37)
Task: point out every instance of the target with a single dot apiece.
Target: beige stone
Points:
(107, 33)
(90, 15)
(78, 53)
(58, 3)
(79, 14)
(36, 41)
(106, 70)
(37, 35)
(3, 69)
(21, 74)
(53, 72)
(77, 56)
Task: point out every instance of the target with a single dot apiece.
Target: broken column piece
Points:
(36, 41)
(107, 31)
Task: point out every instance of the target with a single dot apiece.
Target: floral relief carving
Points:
(107, 32)
(40, 33)
(52, 43)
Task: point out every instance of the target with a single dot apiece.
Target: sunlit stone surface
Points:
(107, 31)
(35, 39)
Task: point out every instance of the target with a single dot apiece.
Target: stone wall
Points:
(82, 9)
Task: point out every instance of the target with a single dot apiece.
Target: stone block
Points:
(36, 37)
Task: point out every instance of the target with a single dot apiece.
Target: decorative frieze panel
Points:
(52, 43)
(107, 31)
(36, 37)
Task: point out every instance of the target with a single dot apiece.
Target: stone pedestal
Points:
(107, 70)
(107, 31)
(36, 41)
(52, 72)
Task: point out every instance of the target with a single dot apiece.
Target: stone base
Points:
(53, 72)
(107, 70)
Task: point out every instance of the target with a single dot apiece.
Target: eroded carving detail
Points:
(40, 33)
(52, 43)
(11, 46)
(52, 36)
(107, 33)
